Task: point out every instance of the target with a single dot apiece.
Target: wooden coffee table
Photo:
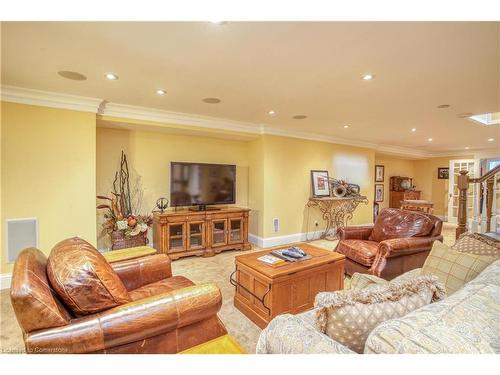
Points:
(264, 291)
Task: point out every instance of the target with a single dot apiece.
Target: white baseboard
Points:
(5, 279)
(290, 238)
(283, 240)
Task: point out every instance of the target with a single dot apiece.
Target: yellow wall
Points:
(394, 167)
(287, 182)
(434, 189)
(150, 154)
(48, 172)
(273, 173)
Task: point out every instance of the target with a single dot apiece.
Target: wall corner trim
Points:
(49, 99)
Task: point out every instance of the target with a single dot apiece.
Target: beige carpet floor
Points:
(215, 269)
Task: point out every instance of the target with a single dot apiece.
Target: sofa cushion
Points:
(395, 223)
(465, 322)
(35, 303)
(348, 317)
(477, 243)
(83, 279)
(455, 268)
(360, 251)
(162, 286)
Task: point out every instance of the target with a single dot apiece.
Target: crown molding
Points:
(158, 115)
(105, 108)
(49, 99)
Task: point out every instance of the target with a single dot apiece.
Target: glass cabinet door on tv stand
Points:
(235, 230)
(176, 237)
(196, 235)
(219, 232)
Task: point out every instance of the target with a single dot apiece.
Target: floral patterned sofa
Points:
(468, 321)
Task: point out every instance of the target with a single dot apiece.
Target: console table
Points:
(336, 211)
(204, 233)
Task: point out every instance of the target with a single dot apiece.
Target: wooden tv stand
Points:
(180, 233)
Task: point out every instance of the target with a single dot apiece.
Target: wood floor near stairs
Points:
(215, 269)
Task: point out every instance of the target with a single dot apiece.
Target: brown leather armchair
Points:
(162, 313)
(398, 242)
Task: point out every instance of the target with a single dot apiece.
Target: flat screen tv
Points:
(199, 184)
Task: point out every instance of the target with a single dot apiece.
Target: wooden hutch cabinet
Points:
(204, 233)
(401, 191)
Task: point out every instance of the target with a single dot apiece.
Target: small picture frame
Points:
(379, 192)
(379, 173)
(443, 173)
(320, 184)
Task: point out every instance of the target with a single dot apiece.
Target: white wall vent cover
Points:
(21, 233)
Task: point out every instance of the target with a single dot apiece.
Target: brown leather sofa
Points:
(399, 241)
(63, 303)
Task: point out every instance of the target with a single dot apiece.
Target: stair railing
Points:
(488, 181)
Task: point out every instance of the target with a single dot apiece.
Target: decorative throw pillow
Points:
(455, 268)
(348, 317)
(477, 243)
(395, 223)
(83, 279)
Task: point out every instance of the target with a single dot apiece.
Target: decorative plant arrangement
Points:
(125, 227)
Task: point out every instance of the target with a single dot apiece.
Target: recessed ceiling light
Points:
(441, 106)
(111, 76)
(211, 100)
(368, 77)
(272, 112)
(161, 92)
(413, 130)
(299, 117)
(491, 139)
(75, 76)
(429, 140)
(466, 147)
(346, 126)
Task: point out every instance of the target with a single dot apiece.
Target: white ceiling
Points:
(311, 68)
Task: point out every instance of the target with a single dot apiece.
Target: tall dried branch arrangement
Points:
(121, 187)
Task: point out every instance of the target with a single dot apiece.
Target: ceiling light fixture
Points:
(111, 76)
(211, 100)
(466, 147)
(272, 112)
(299, 117)
(441, 106)
(491, 139)
(413, 130)
(346, 126)
(75, 76)
(368, 77)
(161, 92)
(429, 140)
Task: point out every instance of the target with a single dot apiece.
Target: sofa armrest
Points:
(288, 334)
(355, 233)
(130, 322)
(138, 272)
(405, 246)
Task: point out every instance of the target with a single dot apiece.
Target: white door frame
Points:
(451, 218)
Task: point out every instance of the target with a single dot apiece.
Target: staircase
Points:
(486, 211)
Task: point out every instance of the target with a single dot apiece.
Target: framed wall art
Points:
(443, 173)
(320, 185)
(379, 192)
(379, 173)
